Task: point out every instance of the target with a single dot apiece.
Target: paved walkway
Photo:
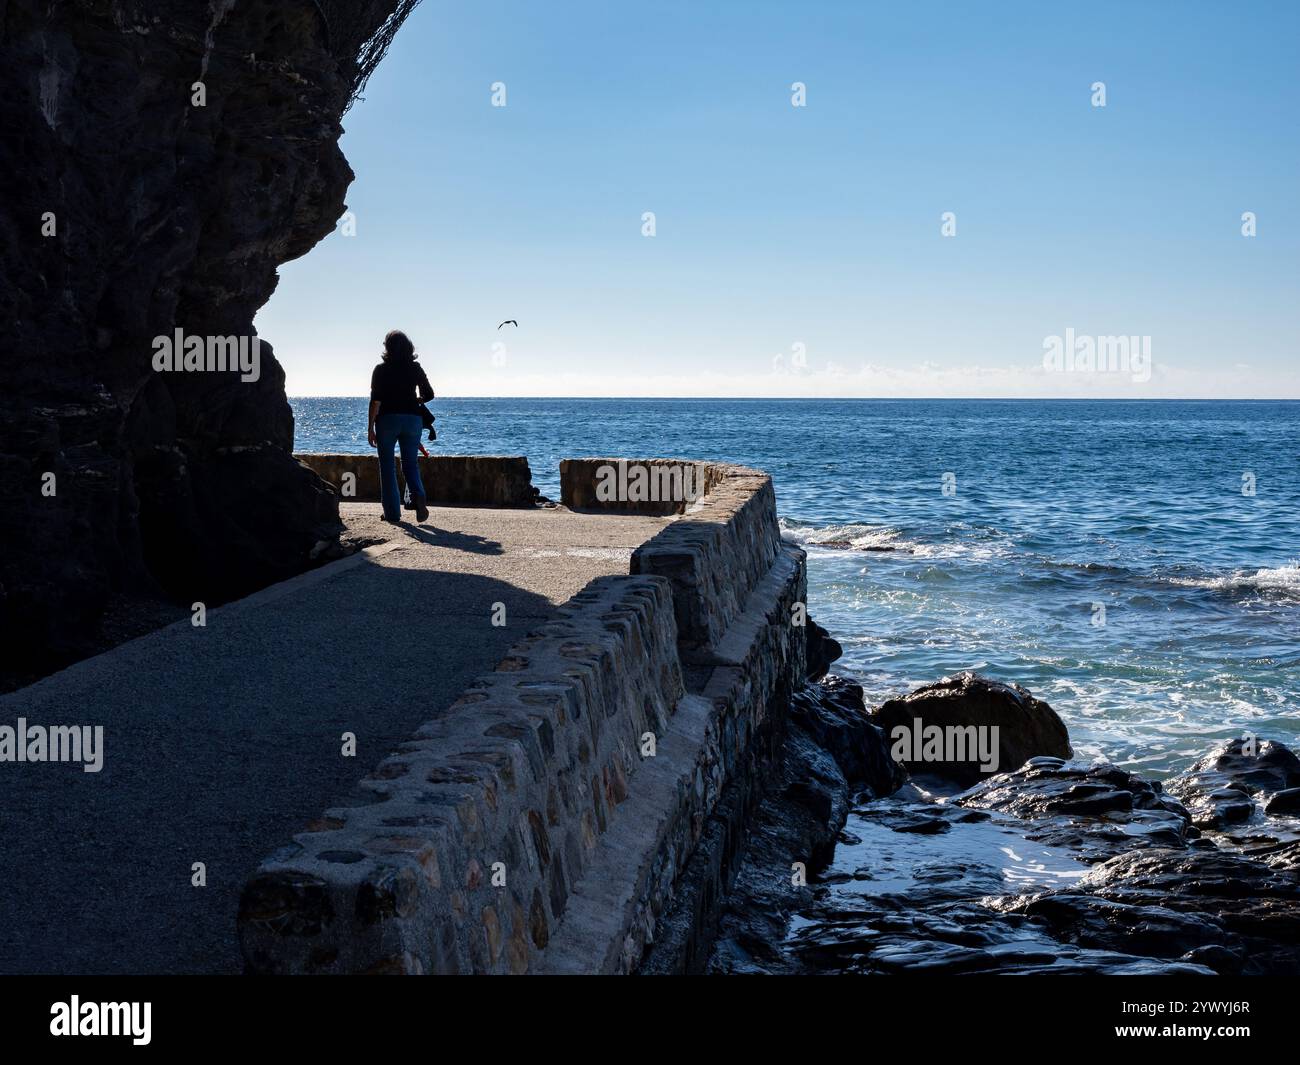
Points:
(221, 742)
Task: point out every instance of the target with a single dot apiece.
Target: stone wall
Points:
(725, 542)
(525, 769)
(564, 815)
(481, 480)
(715, 555)
(639, 486)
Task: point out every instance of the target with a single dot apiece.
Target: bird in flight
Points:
(509, 321)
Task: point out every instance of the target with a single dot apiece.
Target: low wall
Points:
(471, 480)
(715, 555)
(514, 783)
(636, 486)
(574, 810)
(725, 541)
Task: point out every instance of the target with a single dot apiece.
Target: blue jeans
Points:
(404, 430)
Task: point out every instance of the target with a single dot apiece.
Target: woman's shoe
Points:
(421, 508)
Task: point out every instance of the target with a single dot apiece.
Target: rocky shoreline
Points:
(1051, 865)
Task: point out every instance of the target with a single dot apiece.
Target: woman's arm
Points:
(424, 389)
(374, 404)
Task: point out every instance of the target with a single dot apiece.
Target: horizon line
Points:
(865, 399)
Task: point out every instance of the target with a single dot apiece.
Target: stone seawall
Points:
(715, 556)
(636, 486)
(470, 480)
(466, 843)
(563, 815)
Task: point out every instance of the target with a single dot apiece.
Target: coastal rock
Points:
(140, 213)
(1229, 786)
(823, 649)
(986, 899)
(1058, 867)
(794, 826)
(1228, 912)
(834, 713)
(1026, 727)
(1100, 810)
(831, 751)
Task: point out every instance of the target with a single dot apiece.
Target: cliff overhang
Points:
(165, 159)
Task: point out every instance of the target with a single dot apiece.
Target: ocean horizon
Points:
(1135, 563)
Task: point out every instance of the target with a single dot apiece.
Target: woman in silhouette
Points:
(397, 388)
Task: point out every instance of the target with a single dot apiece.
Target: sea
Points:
(1136, 564)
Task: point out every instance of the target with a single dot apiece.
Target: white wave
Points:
(1279, 579)
(853, 535)
(860, 537)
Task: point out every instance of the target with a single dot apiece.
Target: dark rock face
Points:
(1027, 727)
(1057, 867)
(1109, 877)
(797, 821)
(823, 649)
(1228, 786)
(1224, 911)
(831, 752)
(132, 213)
(834, 714)
(1097, 809)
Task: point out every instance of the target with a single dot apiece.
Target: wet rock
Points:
(1058, 867)
(948, 905)
(831, 752)
(1228, 787)
(1172, 903)
(979, 898)
(834, 714)
(1284, 803)
(1285, 856)
(960, 713)
(797, 822)
(823, 649)
(1098, 810)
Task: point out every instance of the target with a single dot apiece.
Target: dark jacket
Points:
(400, 387)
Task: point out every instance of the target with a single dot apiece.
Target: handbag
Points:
(426, 416)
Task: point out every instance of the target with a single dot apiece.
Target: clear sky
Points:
(782, 230)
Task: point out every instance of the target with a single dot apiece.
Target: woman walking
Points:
(397, 388)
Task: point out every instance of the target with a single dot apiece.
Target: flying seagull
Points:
(509, 321)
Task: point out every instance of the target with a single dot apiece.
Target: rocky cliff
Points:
(161, 160)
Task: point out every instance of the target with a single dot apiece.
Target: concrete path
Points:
(221, 742)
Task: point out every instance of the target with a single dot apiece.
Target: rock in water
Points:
(1224, 911)
(1100, 810)
(139, 208)
(1227, 786)
(835, 715)
(823, 649)
(1070, 868)
(831, 752)
(947, 729)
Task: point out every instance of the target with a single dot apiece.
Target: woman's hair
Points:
(398, 347)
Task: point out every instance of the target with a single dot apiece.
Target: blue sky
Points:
(818, 226)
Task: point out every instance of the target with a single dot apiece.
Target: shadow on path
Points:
(456, 541)
(219, 744)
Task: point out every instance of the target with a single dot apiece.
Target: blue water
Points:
(1056, 508)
